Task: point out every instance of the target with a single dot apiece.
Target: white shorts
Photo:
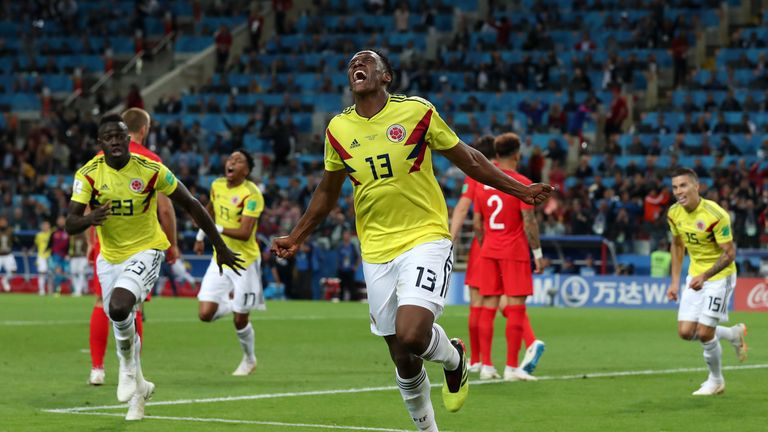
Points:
(709, 305)
(42, 264)
(78, 265)
(248, 294)
(137, 274)
(420, 277)
(8, 263)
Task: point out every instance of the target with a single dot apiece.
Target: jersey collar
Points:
(384, 108)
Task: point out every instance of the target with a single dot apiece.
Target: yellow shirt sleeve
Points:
(440, 136)
(722, 230)
(81, 189)
(332, 159)
(254, 205)
(166, 181)
(672, 225)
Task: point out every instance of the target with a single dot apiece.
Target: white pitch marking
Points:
(254, 422)
(389, 388)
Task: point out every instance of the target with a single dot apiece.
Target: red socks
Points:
(139, 326)
(528, 336)
(487, 315)
(474, 334)
(98, 338)
(515, 320)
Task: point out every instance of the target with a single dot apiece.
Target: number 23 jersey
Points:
(388, 158)
(132, 225)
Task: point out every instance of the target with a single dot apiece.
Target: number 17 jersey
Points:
(503, 230)
(398, 202)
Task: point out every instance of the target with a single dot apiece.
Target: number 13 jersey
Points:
(132, 225)
(388, 158)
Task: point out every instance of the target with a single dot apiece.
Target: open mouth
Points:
(230, 170)
(359, 76)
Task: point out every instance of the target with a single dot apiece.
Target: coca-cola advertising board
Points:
(751, 294)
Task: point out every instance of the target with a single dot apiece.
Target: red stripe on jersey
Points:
(337, 146)
(418, 137)
(712, 227)
(150, 190)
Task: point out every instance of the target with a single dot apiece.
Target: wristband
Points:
(200, 235)
(220, 229)
(537, 254)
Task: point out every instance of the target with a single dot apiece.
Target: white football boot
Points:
(741, 344)
(144, 391)
(246, 367)
(489, 373)
(532, 356)
(710, 388)
(517, 374)
(475, 367)
(97, 377)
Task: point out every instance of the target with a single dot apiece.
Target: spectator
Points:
(617, 114)
(349, 260)
(402, 14)
(223, 40)
(588, 269)
(661, 260)
(134, 99)
(281, 8)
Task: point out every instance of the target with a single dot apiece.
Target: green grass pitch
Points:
(321, 369)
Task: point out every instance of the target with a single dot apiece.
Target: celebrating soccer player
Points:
(384, 145)
(235, 206)
(121, 188)
(506, 227)
(138, 122)
(471, 278)
(704, 228)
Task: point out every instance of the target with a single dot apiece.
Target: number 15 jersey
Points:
(398, 201)
(132, 225)
(503, 230)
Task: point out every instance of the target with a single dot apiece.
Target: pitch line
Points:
(253, 422)
(77, 410)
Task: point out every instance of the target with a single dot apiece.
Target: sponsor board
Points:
(751, 294)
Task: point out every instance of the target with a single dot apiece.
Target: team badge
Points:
(700, 225)
(396, 133)
(234, 200)
(136, 185)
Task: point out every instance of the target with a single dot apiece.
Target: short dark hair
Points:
(248, 158)
(387, 64)
(507, 144)
(484, 145)
(681, 171)
(110, 118)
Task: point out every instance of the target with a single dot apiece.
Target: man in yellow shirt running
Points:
(384, 145)
(121, 188)
(704, 228)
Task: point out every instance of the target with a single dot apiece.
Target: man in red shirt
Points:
(472, 277)
(138, 122)
(506, 227)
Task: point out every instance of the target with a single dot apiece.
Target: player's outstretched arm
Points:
(678, 253)
(224, 255)
(78, 221)
(324, 199)
(475, 165)
(458, 216)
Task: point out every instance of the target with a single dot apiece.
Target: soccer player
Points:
(121, 188)
(7, 260)
(384, 145)
(506, 228)
(78, 263)
(42, 241)
(59, 246)
(138, 122)
(485, 146)
(235, 205)
(704, 229)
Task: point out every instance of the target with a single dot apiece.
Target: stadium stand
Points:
(607, 94)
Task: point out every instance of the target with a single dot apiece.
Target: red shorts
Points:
(472, 277)
(505, 277)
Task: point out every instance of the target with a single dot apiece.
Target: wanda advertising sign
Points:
(751, 294)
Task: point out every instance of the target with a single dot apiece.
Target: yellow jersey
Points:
(132, 225)
(230, 205)
(702, 230)
(388, 158)
(42, 240)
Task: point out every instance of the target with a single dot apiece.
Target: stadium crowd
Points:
(582, 119)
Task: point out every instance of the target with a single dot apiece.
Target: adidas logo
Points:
(104, 187)
(354, 144)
